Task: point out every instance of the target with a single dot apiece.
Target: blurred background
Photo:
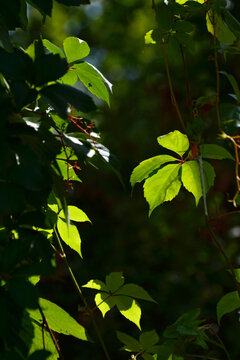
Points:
(171, 253)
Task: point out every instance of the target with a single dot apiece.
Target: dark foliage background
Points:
(170, 254)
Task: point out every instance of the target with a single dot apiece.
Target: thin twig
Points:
(217, 70)
(187, 82)
(211, 329)
(45, 322)
(79, 291)
(174, 100)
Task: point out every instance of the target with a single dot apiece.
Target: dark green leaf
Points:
(135, 291)
(23, 292)
(74, 2)
(227, 304)
(165, 17)
(16, 65)
(23, 94)
(44, 6)
(214, 151)
(232, 22)
(148, 339)
(48, 68)
(130, 343)
(114, 281)
(39, 355)
(59, 96)
(11, 198)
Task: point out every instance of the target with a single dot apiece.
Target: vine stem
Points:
(79, 291)
(174, 100)
(220, 342)
(45, 322)
(217, 71)
(212, 233)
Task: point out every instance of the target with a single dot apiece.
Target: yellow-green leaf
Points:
(75, 49)
(69, 235)
(191, 178)
(146, 167)
(148, 38)
(104, 302)
(162, 186)
(129, 308)
(174, 141)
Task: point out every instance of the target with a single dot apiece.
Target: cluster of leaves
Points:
(164, 174)
(176, 339)
(39, 157)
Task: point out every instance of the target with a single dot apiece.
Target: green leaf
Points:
(104, 302)
(96, 284)
(75, 49)
(184, 26)
(93, 80)
(174, 141)
(69, 235)
(44, 6)
(76, 214)
(54, 49)
(231, 22)
(135, 291)
(222, 32)
(49, 68)
(130, 343)
(165, 17)
(191, 178)
(146, 167)
(59, 320)
(60, 96)
(70, 78)
(148, 38)
(162, 186)
(227, 304)
(213, 151)
(16, 65)
(129, 308)
(148, 339)
(23, 292)
(147, 356)
(234, 84)
(37, 342)
(114, 281)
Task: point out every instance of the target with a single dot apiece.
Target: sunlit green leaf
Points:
(54, 49)
(93, 80)
(76, 214)
(37, 342)
(227, 304)
(69, 235)
(162, 186)
(174, 141)
(75, 49)
(146, 167)
(191, 178)
(104, 302)
(96, 284)
(129, 308)
(58, 320)
(148, 38)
